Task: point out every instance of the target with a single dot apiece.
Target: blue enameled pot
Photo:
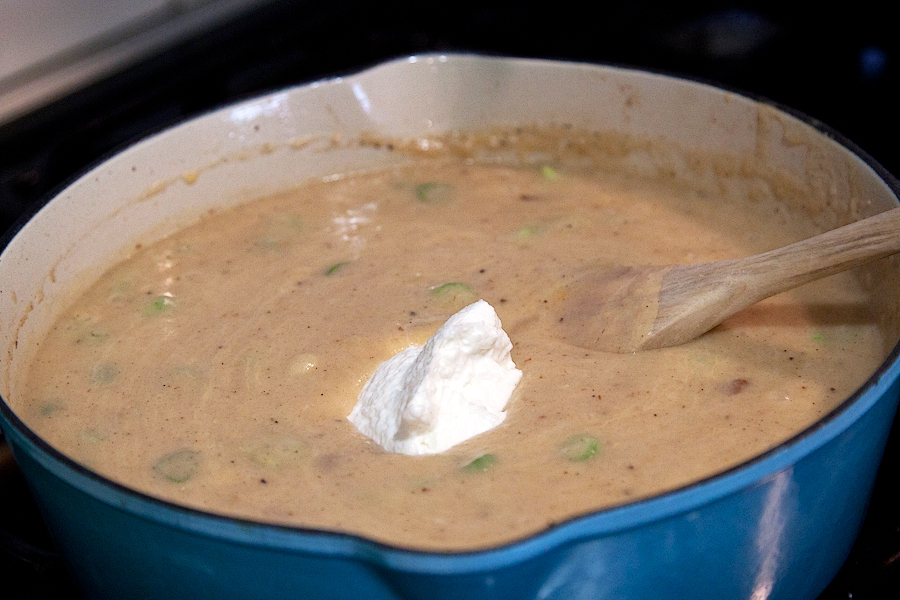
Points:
(778, 526)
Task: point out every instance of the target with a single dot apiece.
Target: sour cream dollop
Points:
(426, 399)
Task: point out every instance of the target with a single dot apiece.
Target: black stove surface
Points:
(837, 66)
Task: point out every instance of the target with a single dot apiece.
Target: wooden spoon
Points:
(627, 309)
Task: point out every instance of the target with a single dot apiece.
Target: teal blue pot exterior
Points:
(777, 527)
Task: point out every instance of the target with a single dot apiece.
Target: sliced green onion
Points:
(50, 409)
(335, 268)
(159, 305)
(454, 292)
(579, 447)
(526, 233)
(432, 191)
(549, 173)
(481, 464)
(178, 466)
(105, 373)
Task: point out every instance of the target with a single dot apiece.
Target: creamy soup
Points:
(216, 368)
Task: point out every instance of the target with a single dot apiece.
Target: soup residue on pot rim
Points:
(216, 368)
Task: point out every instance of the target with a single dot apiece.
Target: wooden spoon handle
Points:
(826, 254)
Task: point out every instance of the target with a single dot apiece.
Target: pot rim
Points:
(608, 521)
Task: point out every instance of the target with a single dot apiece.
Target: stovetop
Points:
(839, 67)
